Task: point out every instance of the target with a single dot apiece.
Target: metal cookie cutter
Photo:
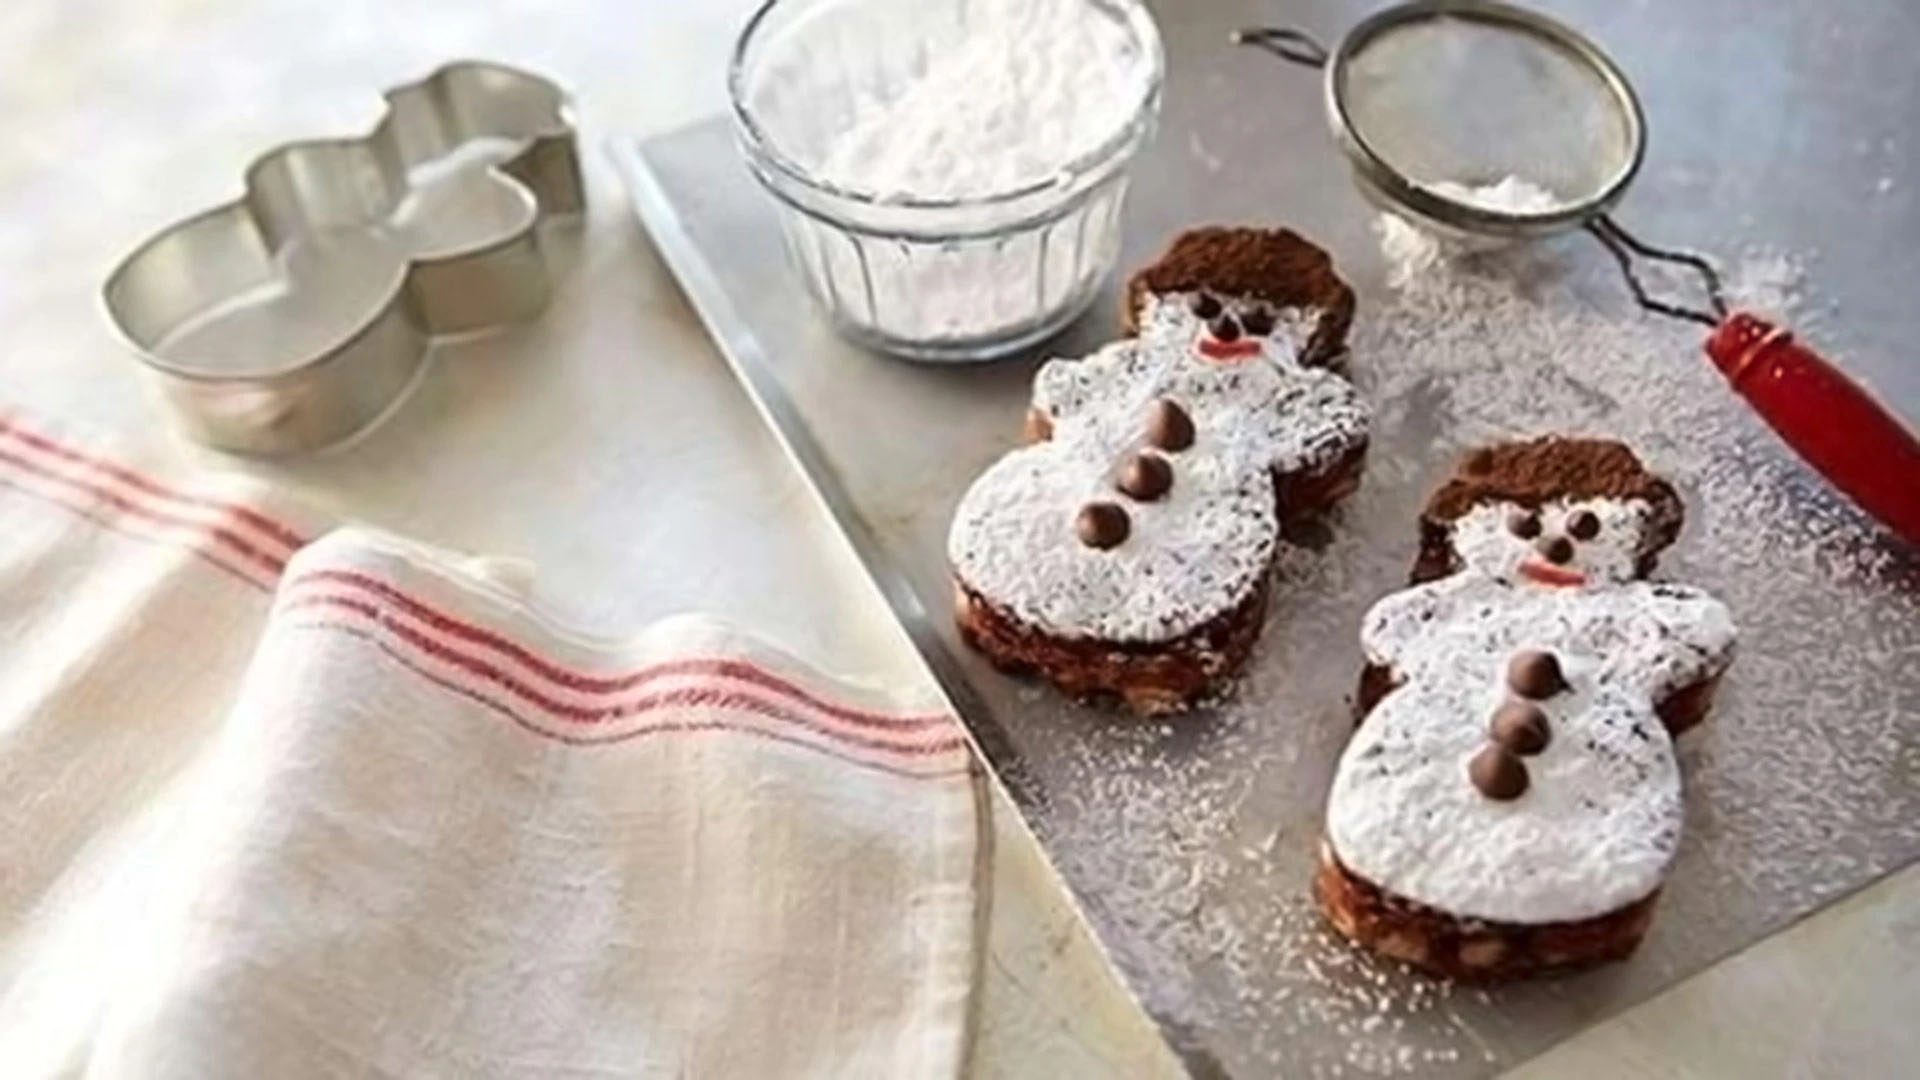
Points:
(295, 316)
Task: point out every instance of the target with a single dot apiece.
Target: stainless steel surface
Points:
(1191, 844)
(293, 317)
(879, 263)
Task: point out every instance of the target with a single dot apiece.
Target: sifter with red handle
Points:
(1435, 102)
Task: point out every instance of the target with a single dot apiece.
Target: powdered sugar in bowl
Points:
(949, 173)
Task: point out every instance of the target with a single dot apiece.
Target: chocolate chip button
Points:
(1258, 322)
(1583, 525)
(1521, 727)
(1524, 524)
(1146, 477)
(1498, 773)
(1535, 674)
(1224, 328)
(1102, 525)
(1168, 426)
(1555, 549)
(1204, 305)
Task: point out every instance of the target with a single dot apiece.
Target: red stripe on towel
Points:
(91, 510)
(610, 710)
(630, 734)
(600, 684)
(240, 545)
(282, 534)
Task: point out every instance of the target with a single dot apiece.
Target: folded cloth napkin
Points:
(353, 807)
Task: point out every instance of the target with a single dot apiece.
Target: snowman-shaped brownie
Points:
(1511, 800)
(1127, 551)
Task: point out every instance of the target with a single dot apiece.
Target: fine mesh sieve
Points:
(1477, 119)
(1437, 100)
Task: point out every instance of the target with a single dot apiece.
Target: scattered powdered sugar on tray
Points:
(1409, 249)
(1769, 283)
(1192, 841)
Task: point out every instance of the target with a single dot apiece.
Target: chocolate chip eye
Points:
(1583, 525)
(1523, 524)
(1224, 328)
(1257, 321)
(1204, 305)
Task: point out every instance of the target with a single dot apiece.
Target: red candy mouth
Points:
(1238, 349)
(1551, 575)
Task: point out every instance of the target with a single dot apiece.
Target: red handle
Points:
(1835, 425)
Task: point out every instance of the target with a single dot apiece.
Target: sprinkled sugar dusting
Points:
(1192, 842)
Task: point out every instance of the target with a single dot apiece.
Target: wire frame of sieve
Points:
(1590, 213)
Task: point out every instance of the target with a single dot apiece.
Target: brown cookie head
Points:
(1240, 278)
(1551, 511)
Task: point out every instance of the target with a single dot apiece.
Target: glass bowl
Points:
(929, 276)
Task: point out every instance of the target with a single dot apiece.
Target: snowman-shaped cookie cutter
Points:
(296, 316)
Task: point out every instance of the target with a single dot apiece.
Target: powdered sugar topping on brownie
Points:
(1169, 317)
(1597, 827)
(1268, 409)
(1485, 540)
(1595, 830)
(1192, 555)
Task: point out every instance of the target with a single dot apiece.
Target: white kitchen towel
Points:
(128, 609)
(354, 808)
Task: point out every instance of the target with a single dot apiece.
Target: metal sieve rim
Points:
(1399, 189)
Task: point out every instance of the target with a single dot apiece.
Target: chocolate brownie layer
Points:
(1315, 491)
(1151, 677)
(1471, 950)
(1687, 706)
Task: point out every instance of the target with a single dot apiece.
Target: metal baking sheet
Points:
(1190, 843)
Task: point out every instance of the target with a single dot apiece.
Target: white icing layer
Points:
(1599, 823)
(1485, 541)
(1269, 409)
(1192, 555)
(1169, 318)
(1595, 830)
